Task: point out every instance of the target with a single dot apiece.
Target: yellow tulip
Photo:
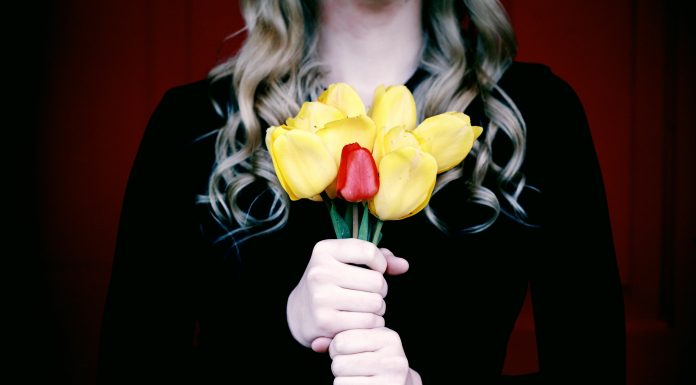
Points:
(313, 116)
(338, 133)
(343, 97)
(303, 164)
(398, 137)
(448, 137)
(391, 107)
(478, 130)
(407, 178)
(306, 152)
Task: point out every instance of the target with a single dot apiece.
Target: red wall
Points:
(108, 63)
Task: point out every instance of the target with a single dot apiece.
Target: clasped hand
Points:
(339, 306)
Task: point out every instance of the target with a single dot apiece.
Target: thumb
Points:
(321, 344)
(395, 265)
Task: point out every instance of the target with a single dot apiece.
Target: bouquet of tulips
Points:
(378, 162)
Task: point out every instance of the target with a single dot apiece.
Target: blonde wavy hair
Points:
(276, 70)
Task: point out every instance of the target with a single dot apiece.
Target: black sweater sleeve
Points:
(576, 290)
(148, 321)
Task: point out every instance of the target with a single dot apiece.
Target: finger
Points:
(359, 301)
(364, 380)
(354, 341)
(321, 344)
(395, 265)
(358, 278)
(347, 276)
(353, 251)
(348, 320)
(352, 365)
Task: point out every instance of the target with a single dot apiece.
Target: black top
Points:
(182, 307)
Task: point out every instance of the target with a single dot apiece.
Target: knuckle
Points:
(377, 321)
(319, 248)
(335, 366)
(375, 303)
(391, 335)
(382, 286)
(322, 248)
(395, 364)
(377, 283)
(339, 343)
(382, 308)
(317, 297)
(324, 320)
(317, 275)
(375, 256)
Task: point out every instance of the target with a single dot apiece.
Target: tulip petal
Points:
(459, 115)
(407, 178)
(313, 116)
(343, 97)
(399, 137)
(448, 137)
(391, 107)
(272, 133)
(357, 178)
(303, 164)
(478, 130)
(337, 134)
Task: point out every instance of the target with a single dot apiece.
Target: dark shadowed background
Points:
(85, 75)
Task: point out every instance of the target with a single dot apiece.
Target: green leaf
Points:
(364, 231)
(377, 236)
(340, 226)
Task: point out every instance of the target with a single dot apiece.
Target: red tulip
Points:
(358, 179)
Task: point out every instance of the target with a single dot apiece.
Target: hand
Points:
(333, 295)
(370, 356)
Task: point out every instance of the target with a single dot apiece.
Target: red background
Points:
(101, 67)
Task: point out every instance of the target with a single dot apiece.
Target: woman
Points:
(219, 277)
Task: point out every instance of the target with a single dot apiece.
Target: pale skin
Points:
(337, 306)
(367, 43)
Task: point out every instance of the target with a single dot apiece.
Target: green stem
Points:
(356, 220)
(364, 230)
(348, 212)
(378, 230)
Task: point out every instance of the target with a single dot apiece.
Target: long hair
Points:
(276, 70)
